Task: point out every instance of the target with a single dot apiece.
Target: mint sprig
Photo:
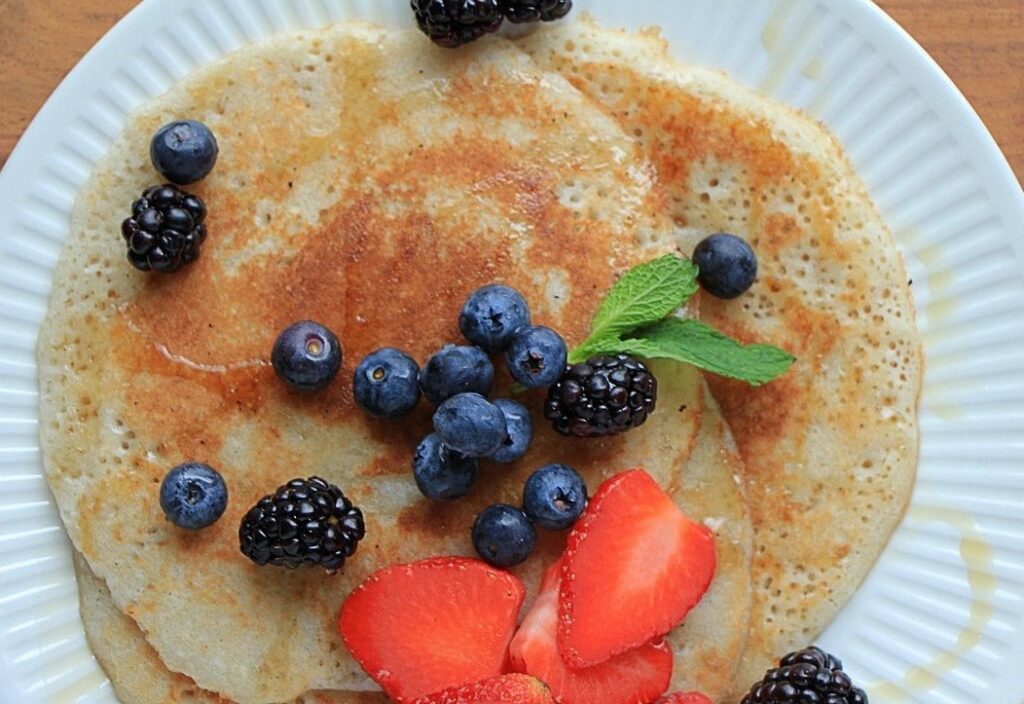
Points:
(633, 319)
(644, 295)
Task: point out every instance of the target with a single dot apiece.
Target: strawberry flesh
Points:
(521, 689)
(633, 568)
(445, 622)
(637, 676)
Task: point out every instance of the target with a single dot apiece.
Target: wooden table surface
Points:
(980, 43)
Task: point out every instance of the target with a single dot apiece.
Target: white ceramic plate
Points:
(940, 620)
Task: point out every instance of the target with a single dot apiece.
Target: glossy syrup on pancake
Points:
(830, 449)
(370, 182)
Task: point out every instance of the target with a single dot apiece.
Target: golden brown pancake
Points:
(831, 448)
(140, 677)
(134, 668)
(370, 182)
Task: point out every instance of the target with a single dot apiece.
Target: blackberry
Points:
(452, 23)
(520, 11)
(602, 396)
(165, 230)
(306, 522)
(809, 675)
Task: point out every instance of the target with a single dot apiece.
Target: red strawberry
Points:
(639, 675)
(521, 689)
(443, 622)
(634, 566)
(687, 698)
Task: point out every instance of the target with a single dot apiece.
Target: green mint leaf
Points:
(693, 342)
(644, 295)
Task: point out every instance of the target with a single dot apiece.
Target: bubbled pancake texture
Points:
(831, 448)
(706, 486)
(134, 668)
(368, 181)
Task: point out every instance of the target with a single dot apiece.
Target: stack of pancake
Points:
(370, 181)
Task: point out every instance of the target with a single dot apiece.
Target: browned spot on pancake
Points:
(436, 520)
(762, 416)
(394, 461)
(778, 232)
(696, 129)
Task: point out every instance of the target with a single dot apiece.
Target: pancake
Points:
(831, 448)
(368, 181)
(136, 671)
(140, 677)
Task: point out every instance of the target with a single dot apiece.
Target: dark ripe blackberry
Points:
(452, 23)
(306, 522)
(605, 395)
(166, 229)
(810, 675)
(520, 11)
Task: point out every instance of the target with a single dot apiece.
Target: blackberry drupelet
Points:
(452, 23)
(521, 11)
(809, 675)
(306, 522)
(165, 230)
(605, 395)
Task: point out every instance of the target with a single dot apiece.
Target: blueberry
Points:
(442, 474)
(492, 315)
(519, 426)
(193, 496)
(456, 370)
(536, 357)
(554, 496)
(503, 535)
(306, 356)
(184, 151)
(728, 265)
(386, 383)
(470, 424)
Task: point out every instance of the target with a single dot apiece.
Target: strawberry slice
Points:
(684, 698)
(419, 628)
(634, 566)
(640, 675)
(521, 689)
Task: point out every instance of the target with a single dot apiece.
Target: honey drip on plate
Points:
(977, 555)
(781, 57)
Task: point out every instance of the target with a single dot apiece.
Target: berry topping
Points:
(420, 628)
(456, 370)
(639, 675)
(452, 23)
(728, 265)
(386, 383)
(634, 566)
(536, 356)
(165, 230)
(306, 356)
(520, 431)
(193, 496)
(442, 474)
(809, 675)
(492, 315)
(520, 689)
(684, 698)
(503, 535)
(184, 151)
(554, 497)
(519, 11)
(470, 424)
(306, 522)
(602, 396)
